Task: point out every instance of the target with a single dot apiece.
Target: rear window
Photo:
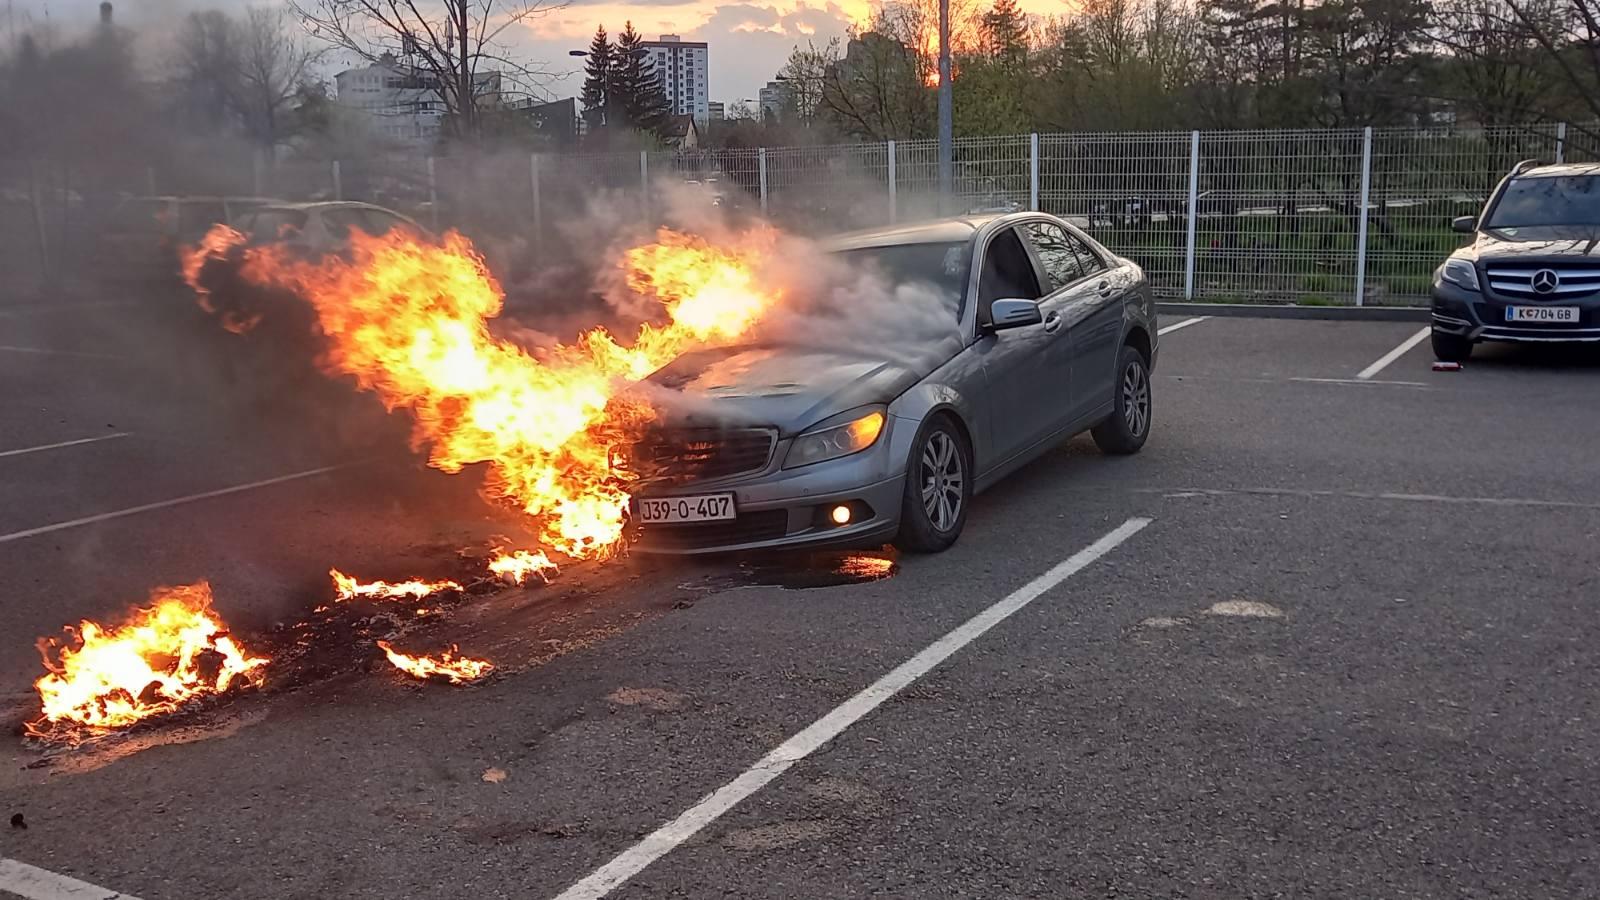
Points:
(195, 217)
(1535, 202)
(272, 224)
(138, 215)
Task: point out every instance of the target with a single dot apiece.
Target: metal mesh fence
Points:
(1277, 215)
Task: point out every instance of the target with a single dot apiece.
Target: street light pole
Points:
(946, 126)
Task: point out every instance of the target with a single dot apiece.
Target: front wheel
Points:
(938, 488)
(1125, 430)
(1450, 347)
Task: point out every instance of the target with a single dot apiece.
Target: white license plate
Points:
(691, 508)
(1541, 314)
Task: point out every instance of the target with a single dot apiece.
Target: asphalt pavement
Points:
(1333, 636)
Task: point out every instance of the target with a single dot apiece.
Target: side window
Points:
(1087, 258)
(380, 223)
(340, 221)
(194, 218)
(1056, 252)
(1007, 272)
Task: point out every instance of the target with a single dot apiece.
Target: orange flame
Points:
(455, 669)
(409, 320)
(164, 656)
(348, 588)
(519, 565)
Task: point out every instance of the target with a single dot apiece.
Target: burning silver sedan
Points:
(780, 445)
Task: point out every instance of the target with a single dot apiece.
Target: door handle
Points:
(1103, 287)
(1052, 322)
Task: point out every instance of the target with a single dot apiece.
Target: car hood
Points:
(1548, 240)
(791, 388)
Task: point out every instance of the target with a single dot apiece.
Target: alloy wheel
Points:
(943, 480)
(1135, 399)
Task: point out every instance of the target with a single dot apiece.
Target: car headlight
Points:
(1460, 273)
(834, 441)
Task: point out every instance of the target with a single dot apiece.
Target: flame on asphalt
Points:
(162, 656)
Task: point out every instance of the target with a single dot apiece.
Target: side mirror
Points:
(1005, 314)
(1464, 224)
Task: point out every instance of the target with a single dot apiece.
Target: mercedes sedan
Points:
(1050, 334)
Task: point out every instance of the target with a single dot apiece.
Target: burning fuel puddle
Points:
(802, 571)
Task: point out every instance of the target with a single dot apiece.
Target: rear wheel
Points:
(1125, 430)
(938, 488)
(1450, 347)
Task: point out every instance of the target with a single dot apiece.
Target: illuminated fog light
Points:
(840, 515)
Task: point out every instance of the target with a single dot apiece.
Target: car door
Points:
(1069, 293)
(1095, 326)
(1022, 387)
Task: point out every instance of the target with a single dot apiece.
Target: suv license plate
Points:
(1541, 314)
(694, 508)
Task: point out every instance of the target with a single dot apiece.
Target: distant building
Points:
(684, 67)
(774, 100)
(558, 121)
(402, 101)
(715, 111)
(682, 133)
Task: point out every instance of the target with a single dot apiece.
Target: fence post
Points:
(433, 197)
(150, 180)
(255, 173)
(644, 176)
(1361, 223)
(761, 162)
(538, 209)
(894, 212)
(1194, 214)
(1033, 171)
(1561, 143)
(338, 182)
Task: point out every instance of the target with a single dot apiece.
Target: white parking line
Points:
(35, 883)
(1392, 355)
(49, 352)
(33, 309)
(41, 447)
(1184, 324)
(632, 861)
(163, 504)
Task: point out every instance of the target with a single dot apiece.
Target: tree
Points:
(454, 47)
(255, 72)
(636, 93)
(1004, 30)
(1499, 66)
(597, 80)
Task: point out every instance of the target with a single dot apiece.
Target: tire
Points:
(1450, 347)
(1125, 430)
(940, 469)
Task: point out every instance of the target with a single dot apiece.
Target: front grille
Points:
(701, 454)
(747, 528)
(1544, 281)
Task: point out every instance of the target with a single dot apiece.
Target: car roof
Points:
(938, 231)
(319, 205)
(1561, 170)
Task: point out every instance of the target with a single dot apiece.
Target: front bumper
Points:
(1482, 317)
(779, 507)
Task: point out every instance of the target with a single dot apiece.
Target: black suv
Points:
(1532, 271)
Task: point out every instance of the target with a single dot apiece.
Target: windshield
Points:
(1533, 202)
(944, 267)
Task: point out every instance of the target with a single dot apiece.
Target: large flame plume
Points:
(408, 319)
(170, 653)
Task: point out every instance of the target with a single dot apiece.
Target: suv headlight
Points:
(1460, 273)
(833, 441)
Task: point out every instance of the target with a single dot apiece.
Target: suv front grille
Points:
(700, 454)
(1548, 281)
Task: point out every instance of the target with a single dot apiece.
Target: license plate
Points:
(692, 508)
(1541, 314)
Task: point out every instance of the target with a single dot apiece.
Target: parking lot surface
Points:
(1332, 633)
